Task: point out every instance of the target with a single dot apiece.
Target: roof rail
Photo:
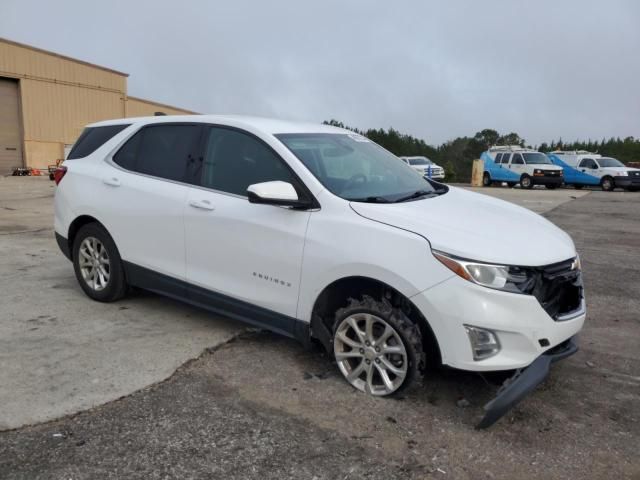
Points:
(509, 148)
(572, 152)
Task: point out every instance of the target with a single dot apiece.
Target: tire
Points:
(511, 184)
(97, 264)
(578, 187)
(551, 187)
(360, 349)
(486, 180)
(607, 184)
(526, 182)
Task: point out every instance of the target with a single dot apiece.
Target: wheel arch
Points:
(335, 296)
(76, 225)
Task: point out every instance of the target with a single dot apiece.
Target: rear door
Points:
(243, 255)
(144, 190)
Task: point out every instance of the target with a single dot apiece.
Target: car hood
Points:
(544, 166)
(620, 169)
(477, 227)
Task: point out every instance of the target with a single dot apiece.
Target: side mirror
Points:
(275, 193)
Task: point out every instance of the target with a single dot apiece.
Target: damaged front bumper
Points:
(524, 381)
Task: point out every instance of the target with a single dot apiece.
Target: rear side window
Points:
(161, 151)
(93, 138)
(505, 158)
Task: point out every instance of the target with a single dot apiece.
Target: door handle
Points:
(202, 204)
(111, 181)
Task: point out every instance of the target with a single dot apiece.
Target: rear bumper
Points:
(524, 381)
(63, 244)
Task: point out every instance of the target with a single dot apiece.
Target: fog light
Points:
(484, 343)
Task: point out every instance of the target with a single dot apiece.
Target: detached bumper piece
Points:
(524, 381)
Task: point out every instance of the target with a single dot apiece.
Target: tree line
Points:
(456, 156)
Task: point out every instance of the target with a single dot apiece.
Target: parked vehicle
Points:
(317, 233)
(585, 168)
(514, 164)
(425, 167)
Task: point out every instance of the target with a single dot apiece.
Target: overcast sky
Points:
(437, 70)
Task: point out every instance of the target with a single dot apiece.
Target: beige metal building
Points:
(46, 99)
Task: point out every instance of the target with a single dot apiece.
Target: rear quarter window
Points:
(93, 138)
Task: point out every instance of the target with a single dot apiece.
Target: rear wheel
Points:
(377, 347)
(486, 180)
(607, 184)
(97, 264)
(526, 182)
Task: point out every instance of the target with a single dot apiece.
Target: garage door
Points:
(10, 144)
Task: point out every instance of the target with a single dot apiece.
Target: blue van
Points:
(515, 164)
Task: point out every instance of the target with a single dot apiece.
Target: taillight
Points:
(58, 174)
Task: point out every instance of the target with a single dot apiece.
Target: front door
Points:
(517, 165)
(240, 254)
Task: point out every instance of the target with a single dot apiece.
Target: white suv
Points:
(425, 167)
(317, 233)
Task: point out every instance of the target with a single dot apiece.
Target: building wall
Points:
(55, 114)
(60, 95)
(138, 107)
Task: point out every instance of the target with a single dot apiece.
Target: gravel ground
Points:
(262, 407)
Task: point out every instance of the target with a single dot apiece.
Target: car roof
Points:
(267, 125)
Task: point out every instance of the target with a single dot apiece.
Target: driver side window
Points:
(233, 160)
(588, 163)
(517, 159)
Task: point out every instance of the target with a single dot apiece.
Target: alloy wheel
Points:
(94, 263)
(370, 354)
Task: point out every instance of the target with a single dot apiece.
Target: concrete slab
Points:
(60, 352)
(540, 200)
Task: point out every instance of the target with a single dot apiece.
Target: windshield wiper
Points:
(370, 200)
(416, 194)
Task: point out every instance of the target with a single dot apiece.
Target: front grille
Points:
(635, 174)
(558, 288)
(552, 173)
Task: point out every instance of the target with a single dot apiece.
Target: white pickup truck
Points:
(425, 167)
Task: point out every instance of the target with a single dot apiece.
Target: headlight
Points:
(499, 277)
(623, 173)
(538, 172)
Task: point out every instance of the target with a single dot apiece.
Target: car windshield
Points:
(420, 161)
(356, 169)
(536, 158)
(610, 162)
